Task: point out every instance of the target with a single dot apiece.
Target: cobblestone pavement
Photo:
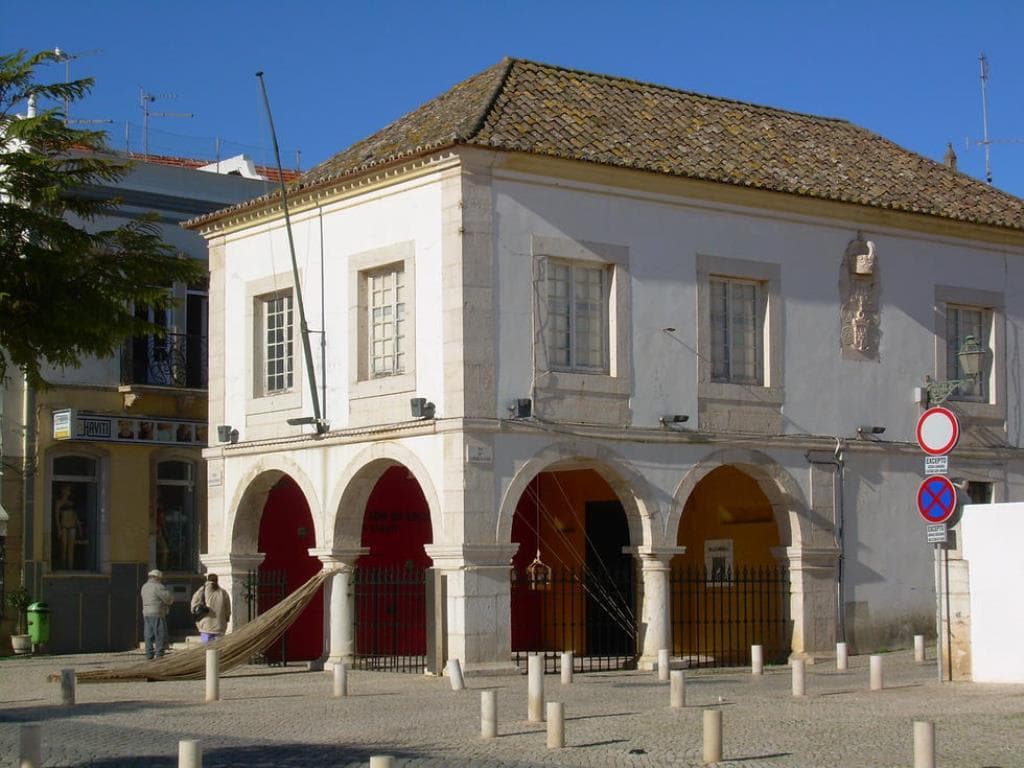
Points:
(288, 717)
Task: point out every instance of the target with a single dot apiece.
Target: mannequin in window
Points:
(68, 526)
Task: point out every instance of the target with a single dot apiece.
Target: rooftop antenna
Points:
(67, 58)
(985, 141)
(145, 99)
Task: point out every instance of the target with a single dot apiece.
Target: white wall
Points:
(991, 543)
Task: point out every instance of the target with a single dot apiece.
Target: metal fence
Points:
(264, 590)
(576, 610)
(716, 617)
(173, 360)
(390, 618)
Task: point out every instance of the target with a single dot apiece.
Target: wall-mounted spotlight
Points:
(421, 408)
(521, 408)
(866, 432)
(673, 419)
(227, 434)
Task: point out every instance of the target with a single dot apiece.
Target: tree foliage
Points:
(69, 281)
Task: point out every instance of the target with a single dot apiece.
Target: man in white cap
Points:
(156, 599)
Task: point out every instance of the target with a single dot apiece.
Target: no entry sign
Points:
(937, 431)
(936, 499)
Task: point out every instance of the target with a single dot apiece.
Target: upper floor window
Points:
(74, 528)
(577, 316)
(177, 356)
(737, 316)
(276, 342)
(176, 524)
(386, 322)
(961, 322)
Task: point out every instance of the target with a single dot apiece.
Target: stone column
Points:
(478, 604)
(339, 603)
(232, 571)
(813, 599)
(655, 628)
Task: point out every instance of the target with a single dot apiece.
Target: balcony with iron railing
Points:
(173, 360)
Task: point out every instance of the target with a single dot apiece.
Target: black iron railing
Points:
(264, 590)
(717, 616)
(390, 621)
(174, 360)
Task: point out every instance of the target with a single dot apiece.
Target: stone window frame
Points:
(259, 401)
(361, 383)
(994, 304)
(769, 276)
(616, 383)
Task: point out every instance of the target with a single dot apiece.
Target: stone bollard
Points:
(799, 677)
(919, 648)
(712, 735)
(556, 725)
(67, 687)
(455, 674)
(382, 761)
(876, 672)
(663, 665)
(212, 674)
(757, 660)
(535, 686)
(677, 689)
(189, 754)
(924, 744)
(488, 714)
(566, 667)
(30, 746)
(340, 680)
(842, 660)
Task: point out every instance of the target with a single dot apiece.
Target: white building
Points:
(642, 320)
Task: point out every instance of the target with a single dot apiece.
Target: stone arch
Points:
(632, 489)
(251, 496)
(784, 495)
(353, 488)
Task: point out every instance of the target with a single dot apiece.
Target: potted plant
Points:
(20, 599)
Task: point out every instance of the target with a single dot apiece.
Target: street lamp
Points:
(970, 355)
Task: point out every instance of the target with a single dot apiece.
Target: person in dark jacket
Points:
(156, 599)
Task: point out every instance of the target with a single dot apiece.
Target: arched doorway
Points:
(572, 586)
(286, 534)
(728, 590)
(390, 581)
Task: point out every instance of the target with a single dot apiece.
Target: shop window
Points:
(175, 517)
(75, 526)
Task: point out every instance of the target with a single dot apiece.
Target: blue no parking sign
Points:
(936, 499)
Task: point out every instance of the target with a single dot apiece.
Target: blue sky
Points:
(337, 71)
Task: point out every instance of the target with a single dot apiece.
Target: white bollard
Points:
(919, 648)
(566, 667)
(212, 674)
(535, 685)
(340, 680)
(799, 678)
(924, 744)
(189, 754)
(663, 665)
(876, 672)
(455, 674)
(677, 689)
(30, 746)
(67, 687)
(842, 660)
(712, 735)
(757, 660)
(488, 714)
(556, 725)
(382, 761)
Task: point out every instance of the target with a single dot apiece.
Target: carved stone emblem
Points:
(859, 291)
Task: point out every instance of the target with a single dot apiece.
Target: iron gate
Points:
(717, 616)
(577, 610)
(264, 590)
(390, 618)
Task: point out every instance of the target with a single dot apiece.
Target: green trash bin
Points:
(39, 623)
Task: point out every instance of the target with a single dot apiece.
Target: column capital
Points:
(802, 557)
(232, 562)
(335, 559)
(451, 557)
(650, 555)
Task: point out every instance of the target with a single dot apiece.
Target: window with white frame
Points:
(75, 534)
(577, 316)
(176, 524)
(737, 330)
(275, 346)
(961, 322)
(386, 321)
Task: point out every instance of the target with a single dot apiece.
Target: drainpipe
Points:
(838, 461)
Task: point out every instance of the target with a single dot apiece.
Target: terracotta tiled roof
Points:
(266, 171)
(528, 107)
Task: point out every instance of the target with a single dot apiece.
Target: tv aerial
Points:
(67, 57)
(145, 99)
(985, 141)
